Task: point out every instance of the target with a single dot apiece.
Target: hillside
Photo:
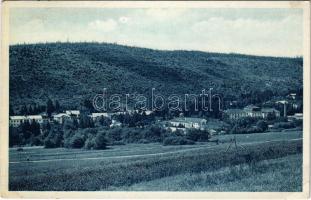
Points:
(71, 72)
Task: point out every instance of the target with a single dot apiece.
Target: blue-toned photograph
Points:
(156, 99)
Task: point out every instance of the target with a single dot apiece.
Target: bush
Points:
(177, 141)
(298, 122)
(36, 141)
(284, 125)
(89, 143)
(153, 133)
(262, 125)
(77, 141)
(100, 141)
(55, 138)
(131, 135)
(114, 134)
(198, 135)
(49, 143)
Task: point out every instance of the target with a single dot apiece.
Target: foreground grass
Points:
(282, 174)
(91, 175)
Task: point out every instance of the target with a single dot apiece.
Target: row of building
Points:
(251, 111)
(181, 123)
(15, 121)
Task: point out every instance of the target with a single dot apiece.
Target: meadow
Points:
(242, 177)
(262, 162)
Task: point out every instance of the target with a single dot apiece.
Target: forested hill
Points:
(71, 72)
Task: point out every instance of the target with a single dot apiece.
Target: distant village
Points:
(179, 123)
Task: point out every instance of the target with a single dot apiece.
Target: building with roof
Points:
(188, 122)
(253, 111)
(235, 113)
(270, 111)
(96, 116)
(61, 117)
(15, 121)
(74, 113)
(250, 111)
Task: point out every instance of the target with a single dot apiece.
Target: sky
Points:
(261, 31)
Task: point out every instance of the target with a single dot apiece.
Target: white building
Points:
(37, 118)
(61, 117)
(96, 116)
(15, 121)
(266, 111)
(75, 113)
(251, 111)
(235, 113)
(188, 122)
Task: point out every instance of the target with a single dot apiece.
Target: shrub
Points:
(198, 135)
(100, 141)
(297, 122)
(89, 143)
(49, 143)
(114, 134)
(131, 135)
(284, 125)
(153, 133)
(262, 125)
(77, 141)
(55, 138)
(271, 116)
(177, 141)
(36, 141)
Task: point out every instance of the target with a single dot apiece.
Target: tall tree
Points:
(30, 110)
(35, 128)
(26, 129)
(57, 106)
(36, 109)
(24, 110)
(49, 107)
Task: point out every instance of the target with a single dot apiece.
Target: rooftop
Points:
(22, 117)
(234, 111)
(101, 114)
(269, 110)
(188, 119)
(61, 115)
(17, 117)
(72, 112)
(34, 116)
(251, 107)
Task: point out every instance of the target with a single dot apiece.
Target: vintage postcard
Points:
(155, 99)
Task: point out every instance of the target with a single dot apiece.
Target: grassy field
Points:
(266, 175)
(143, 166)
